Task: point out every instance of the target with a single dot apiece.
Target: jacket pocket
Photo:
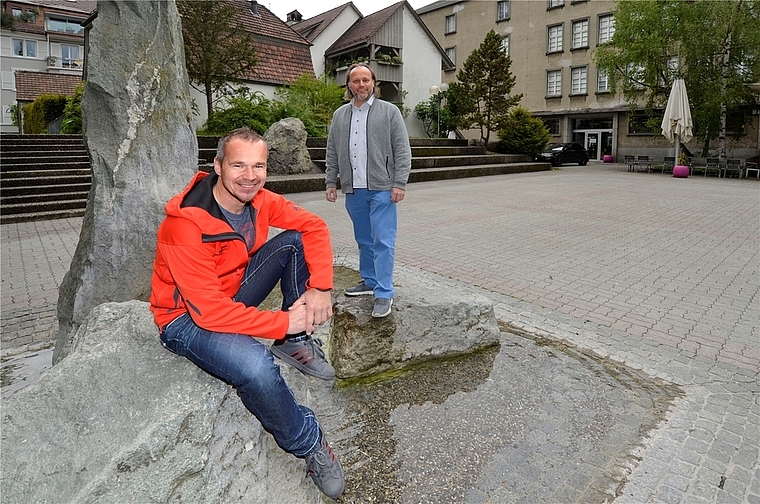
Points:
(387, 169)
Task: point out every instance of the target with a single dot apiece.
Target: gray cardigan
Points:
(389, 157)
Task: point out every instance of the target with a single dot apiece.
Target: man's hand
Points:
(397, 195)
(331, 194)
(312, 309)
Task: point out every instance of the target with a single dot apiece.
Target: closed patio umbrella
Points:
(676, 123)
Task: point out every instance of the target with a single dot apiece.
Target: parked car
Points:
(557, 154)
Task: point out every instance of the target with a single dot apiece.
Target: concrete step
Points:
(37, 216)
(45, 190)
(35, 182)
(284, 184)
(45, 172)
(7, 201)
(43, 167)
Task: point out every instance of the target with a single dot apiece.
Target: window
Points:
(638, 124)
(552, 125)
(31, 16)
(451, 24)
(580, 33)
(64, 25)
(451, 52)
(606, 28)
(21, 47)
(554, 83)
(556, 3)
(578, 80)
(602, 82)
(16, 13)
(555, 39)
(70, 56)
(502, 10)
(505, 44)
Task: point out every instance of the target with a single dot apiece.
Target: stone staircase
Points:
(43, 177)
(49, 176)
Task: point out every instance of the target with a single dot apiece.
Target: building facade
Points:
(41, 36)
(551, 44)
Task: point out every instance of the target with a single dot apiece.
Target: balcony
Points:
(385, 72)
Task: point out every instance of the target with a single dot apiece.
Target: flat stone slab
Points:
(424, 324)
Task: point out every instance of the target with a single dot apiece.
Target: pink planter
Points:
(680, 171)
(607, 158)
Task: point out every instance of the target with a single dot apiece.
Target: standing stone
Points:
(288, 153)
(137, 129)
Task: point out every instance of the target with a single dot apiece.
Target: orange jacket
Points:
(200, 261)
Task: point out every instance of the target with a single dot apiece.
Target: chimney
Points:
(255, 8)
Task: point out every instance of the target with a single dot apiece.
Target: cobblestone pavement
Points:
(648, 271)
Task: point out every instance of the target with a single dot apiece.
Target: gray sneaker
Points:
(359, 289)
(325, 470)
(304, 354)
(382, 307)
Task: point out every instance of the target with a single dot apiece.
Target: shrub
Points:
(247, 108)
(72, 120)
(521, 133)
(311, 100)
(45, 109)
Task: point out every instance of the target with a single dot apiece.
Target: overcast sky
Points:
(311, 8)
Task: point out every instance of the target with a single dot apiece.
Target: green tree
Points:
(218, 49)
(521, 133)
(481, 97)
(712, 45)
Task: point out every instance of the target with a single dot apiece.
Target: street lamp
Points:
(436, 91)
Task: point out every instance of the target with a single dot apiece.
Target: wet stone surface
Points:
(528, 421)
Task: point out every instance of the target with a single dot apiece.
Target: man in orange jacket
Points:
(214, 266)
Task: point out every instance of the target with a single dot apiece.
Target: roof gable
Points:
(364, 29)
(311, 28)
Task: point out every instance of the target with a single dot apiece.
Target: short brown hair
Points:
(245, 133)
(375, 90)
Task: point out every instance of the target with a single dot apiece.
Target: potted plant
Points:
(681, 169)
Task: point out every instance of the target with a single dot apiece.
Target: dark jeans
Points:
(243, 361)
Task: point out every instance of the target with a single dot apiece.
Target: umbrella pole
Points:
(678, 147)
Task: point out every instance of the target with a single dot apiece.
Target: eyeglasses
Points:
(240, 167)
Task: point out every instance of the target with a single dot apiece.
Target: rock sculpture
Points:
(137, 129)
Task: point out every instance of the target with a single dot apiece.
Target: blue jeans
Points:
(243, 361)
(375, 221)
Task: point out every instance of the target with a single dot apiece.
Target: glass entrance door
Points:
(592, 146)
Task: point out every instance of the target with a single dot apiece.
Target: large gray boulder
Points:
(288, 153)
(424, 324)
(137, 129)
(123, 420)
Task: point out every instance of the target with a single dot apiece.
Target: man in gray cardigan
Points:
(368, 146)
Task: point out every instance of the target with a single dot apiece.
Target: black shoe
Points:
(305, 354)
(325, 470)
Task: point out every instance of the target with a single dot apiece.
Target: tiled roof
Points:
(280, 63)
(312, 27)
(29, 85)
(265, 24)
(363, 30)
(283, 55)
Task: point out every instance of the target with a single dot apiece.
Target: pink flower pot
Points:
(680, 171)
(607, 158)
